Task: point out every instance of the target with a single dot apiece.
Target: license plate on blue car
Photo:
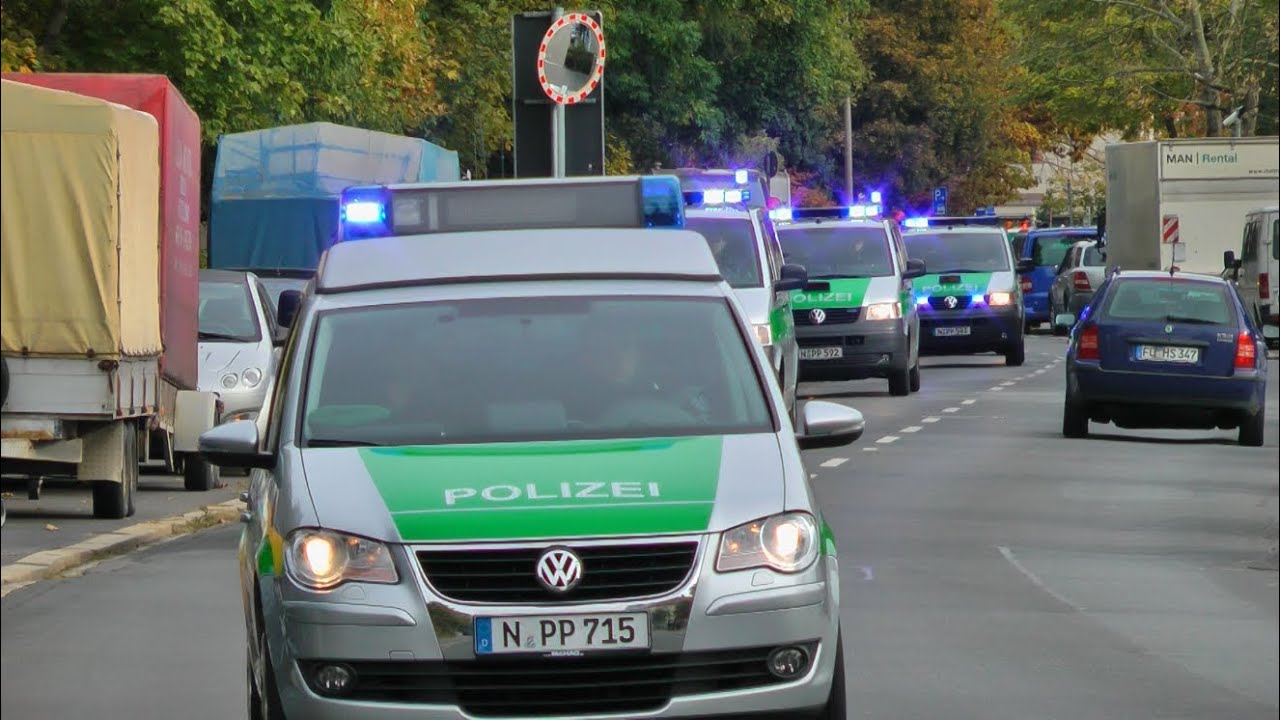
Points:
(1167, 354)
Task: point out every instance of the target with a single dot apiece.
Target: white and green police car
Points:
(856, 318)
(532, 473)
(971, 301)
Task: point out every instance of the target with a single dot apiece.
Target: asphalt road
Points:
(64, 513)
(992, 570)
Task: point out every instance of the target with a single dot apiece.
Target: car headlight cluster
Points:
(884, 311)
(1000, 298)
(787, 543)
(250, 378)
(322, 559)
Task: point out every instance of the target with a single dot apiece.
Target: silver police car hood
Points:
(519, 491)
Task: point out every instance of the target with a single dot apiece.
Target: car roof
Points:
(1078, 230)
(954, 229)
(830, 222)
(1084, 243)
(516, 255)
(275, 273)
(224, 276)
(727, 213)
(1166, 275)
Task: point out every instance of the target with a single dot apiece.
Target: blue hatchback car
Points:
(1045, 248)
(1166, 350)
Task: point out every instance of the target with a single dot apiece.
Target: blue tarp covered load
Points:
(275, 191)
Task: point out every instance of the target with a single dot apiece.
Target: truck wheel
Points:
(900, 382)
(198, 475)
(115, 500)
(1253, 428)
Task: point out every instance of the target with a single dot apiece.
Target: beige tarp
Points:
(79, 209)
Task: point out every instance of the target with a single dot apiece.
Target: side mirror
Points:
(828, 424)
(791, 277)
(287, 308)
(281, 337)
(1025, 265)
(915, 269)
(1065, 320)
(235, 445)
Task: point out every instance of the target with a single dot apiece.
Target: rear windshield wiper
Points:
(340, 442)
(221, 336)
(1190, 320)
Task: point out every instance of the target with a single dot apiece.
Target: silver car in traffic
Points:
(533, 474)
(1080, 274)
(238, 341)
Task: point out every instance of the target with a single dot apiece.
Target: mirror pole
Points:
(557, 121)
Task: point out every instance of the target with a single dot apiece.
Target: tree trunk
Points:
(1207, 72)
(1249, 116)
(53, 29)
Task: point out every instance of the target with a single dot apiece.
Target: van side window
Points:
(1275, 239)
(1249, 250)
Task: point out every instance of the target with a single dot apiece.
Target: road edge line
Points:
(55, 562)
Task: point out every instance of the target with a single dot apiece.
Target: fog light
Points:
(788, 662)
(334, 679)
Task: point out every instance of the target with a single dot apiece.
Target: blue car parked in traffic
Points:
(1166, 350)
(1046, 247)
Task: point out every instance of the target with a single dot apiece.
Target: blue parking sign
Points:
(940, 201)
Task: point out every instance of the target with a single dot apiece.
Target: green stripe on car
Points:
(970, 284)
(564, 489)
(842, 293)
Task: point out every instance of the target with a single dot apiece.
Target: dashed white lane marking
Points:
(911, 429)
(887, 439)
(835, 462)
(1008, 384)
(970, 401)
(1039, 372)
(813, 475)
(931, 419)
(995, 388)
(1035, 579)
(869, 449)
(950, 409)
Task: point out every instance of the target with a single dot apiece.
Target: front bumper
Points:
(989, 328)
(417, 648)
(240, 404)
(870, 348)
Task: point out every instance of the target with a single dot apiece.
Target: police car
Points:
(971, 301)
(745, 245)
(491, 487)
(857, 316)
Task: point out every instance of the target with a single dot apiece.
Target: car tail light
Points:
(1080, 280)
(1087, 349)
(1246, 352)
(1026, 284)
(1264, 285)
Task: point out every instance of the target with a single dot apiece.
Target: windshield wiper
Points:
(1189, 320)
(220, 336)
(960, 270)
(340, 442)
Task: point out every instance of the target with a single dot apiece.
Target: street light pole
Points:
(848, 149)
(557, 121)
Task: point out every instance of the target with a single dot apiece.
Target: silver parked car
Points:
(533, 473)
(238, 337)
(1080, 274)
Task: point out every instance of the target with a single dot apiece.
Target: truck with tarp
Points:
(90, 376)
(276, 192)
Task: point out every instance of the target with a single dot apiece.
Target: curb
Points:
(48, 564)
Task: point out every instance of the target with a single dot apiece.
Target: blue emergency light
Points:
(782, 214)
(742, 177)
(876, 197)
(917, 223)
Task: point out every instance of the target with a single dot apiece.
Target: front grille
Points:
(834, 316)
(557, 687)
(509, 575)
(939, 302)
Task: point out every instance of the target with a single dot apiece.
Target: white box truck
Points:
(1182, 203)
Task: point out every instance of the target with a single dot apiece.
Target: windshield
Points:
(1160, 300)
(960, 251)
(525, 369)
(1093, 257)
(275, 286)
(227, 312)
(837, 252)
(733, 242)
(1051, 249)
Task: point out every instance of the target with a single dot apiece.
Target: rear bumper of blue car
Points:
(1090, 385)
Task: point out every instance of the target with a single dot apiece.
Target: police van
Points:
(971, 300)
(551, 456)
(857, 317)
(745, 245)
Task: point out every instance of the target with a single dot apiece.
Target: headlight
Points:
(321, 559)
(884, 311)
(229, 380)
(1000, 298)
(251, 377)
(787, 543)
(764, 334)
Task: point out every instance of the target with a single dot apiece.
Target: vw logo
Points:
(559, 569)
(1168, 328)
(951, 302)
(817, 316)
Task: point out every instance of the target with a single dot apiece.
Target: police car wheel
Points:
(915, 376)
(1016, 355)
(900, 382)
(836, 705)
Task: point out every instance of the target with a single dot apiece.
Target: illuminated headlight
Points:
(884, 311)
(321, 559)
(787, 543)
(764, 334)
(1000, 298)
(251, 377)
(229, 380)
